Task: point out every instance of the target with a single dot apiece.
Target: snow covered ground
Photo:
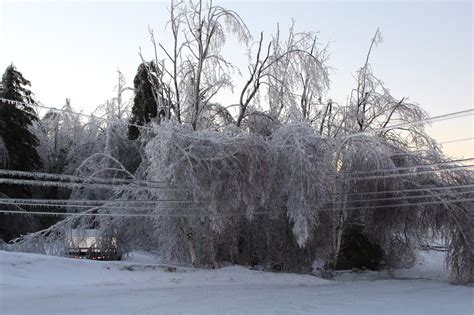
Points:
(33, 284)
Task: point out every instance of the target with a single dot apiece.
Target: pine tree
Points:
(144, 104)
(18, 145)
(15, 121)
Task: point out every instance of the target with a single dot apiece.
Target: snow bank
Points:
(31, 283)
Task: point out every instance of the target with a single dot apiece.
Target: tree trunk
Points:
(338, 240)
(192, 249)
(339, 231)
(213, 253)
(188, 238)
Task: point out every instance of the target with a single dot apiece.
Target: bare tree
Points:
(116, 108)
(293, 72)
(373, 106)
(198, 71)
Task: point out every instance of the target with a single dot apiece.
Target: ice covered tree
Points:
(288, 78)
(398, 199)
(18, 144)
(144, 107)
(371, 105)
(117, 129)
(119, 106)
(376, 167)
(194, 70)
(16, 120)
(237, 182)
(292, 178)
(102, 148)
(58, 131)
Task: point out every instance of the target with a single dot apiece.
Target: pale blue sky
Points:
(72, 48)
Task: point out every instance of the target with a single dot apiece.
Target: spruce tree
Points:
(144, 104)
(19, 147)
(16, 120)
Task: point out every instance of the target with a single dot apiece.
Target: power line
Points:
(383, 170)
(102, 185)
(118, 207)
(225, 214)
(94, 202)
(64, 203)
(457, 140)
(72, 178)
(115, 181)
(404, 190)
(128, 214)
(451, 115)
(407, 174)
(447, 116)
(11, 102)
(408, 197)
(45, 183)
(39, 182)
(402, 205)
(105, 207)
(118, 204)
(93, 185)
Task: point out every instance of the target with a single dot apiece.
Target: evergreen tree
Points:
(15, 121)
(144, 104)
(18, 145)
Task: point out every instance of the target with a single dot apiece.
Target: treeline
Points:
(285, 178)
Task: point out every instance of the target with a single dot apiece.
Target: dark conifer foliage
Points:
(19, 146)
(144, 104)
(15, 121)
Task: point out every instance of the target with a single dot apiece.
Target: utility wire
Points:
(226, 214)
(46, 183)
(456, 140)
(118, 204)
(11, 102)
(447, 116)
(40, 182)
(118, 207)
(463, 167)
(402, 205)
(127, 214)
(72, 178)
(404, 190)
(409, 197)
(383, 170)
(95, 202)
(104, 207)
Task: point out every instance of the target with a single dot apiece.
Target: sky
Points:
(74, 48)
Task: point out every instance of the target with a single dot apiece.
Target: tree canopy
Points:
(284, 177)
(16, 121)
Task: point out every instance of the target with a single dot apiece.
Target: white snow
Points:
(31, 283)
